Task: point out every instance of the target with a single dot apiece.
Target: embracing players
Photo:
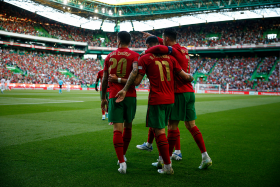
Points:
(123, 63)
(160, 70)
(184, 106)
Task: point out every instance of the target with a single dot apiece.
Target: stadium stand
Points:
(39, 68)
(239, 73)
(239, 32)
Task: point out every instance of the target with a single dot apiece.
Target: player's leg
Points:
(116, 116)
(106, 112)
(157, 118)
(178, 146)
(129, 104)
(163, 148)
(173, 136)
(118, 144)
(2, 88)
(103, 111)
(197, 136)
(149, 144)
(178, 114)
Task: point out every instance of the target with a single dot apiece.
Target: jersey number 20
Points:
(121, 64)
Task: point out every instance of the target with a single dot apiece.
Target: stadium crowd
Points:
(236, 72)
(239, 32)
(40, 68)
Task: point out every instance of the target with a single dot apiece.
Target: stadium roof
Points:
(95, 21)
(129, 2)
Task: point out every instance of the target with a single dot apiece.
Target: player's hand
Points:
(104, 104)
(113, 78)
(96, 88)
(143, 53)
(146, 34)
(120, 96)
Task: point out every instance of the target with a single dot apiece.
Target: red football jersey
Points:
(160, 70)
(183, 58)
(100, 76)
(120, 62)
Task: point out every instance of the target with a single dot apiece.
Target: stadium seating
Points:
(46, 69)
(241, 32)
(237, 72)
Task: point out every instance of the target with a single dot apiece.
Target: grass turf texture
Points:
(51, 139)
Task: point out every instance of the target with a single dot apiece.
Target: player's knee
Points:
(189, 124)
(159, 131)
(128, 125)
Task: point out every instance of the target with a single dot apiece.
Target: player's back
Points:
(184, 60)
(3, 81)
(120, 62)
(160, 71)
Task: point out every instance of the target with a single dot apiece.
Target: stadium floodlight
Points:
(103, 10)
(120, 12)
(81, 7)
(110, 12)
(65, 2)
(96, 10)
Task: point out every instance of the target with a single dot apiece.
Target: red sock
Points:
(103, 112)
(126, 139)
(151, 136)
(197, 136)
(118, 144)
(163, 148)
(172, 139)
(156, 142)
(178, 145)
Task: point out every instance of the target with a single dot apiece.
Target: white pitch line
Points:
(42, 103)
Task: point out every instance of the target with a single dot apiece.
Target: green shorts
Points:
(107, 95)
(157, 115)
(183, 109)
(123, 111)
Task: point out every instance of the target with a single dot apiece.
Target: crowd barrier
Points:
(78, 87)
(241, 92)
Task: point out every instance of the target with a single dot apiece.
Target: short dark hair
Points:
(152, 40)
(124, 37)
(170, 33)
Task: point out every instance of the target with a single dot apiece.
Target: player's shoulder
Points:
(133, 53)
(184, 50)
(111, 54)
(146, 56)
(172, 58)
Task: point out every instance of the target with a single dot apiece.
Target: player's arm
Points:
(104, 101)
(146, 35)
(121, 94)
(180, 72)
(185, 76)
(161, 49)
(96, 83)
(114, 78)
(138, 79)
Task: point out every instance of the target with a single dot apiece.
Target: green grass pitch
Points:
(50, 139)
